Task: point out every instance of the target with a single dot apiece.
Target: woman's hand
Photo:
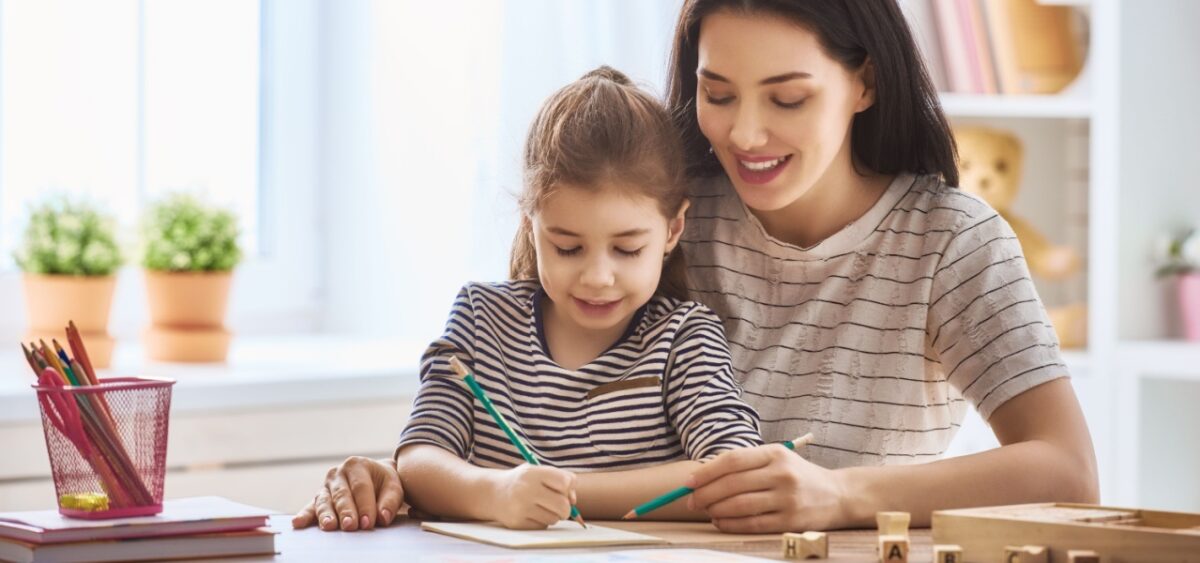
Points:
(533, 497)
(767, 489)
(357, 494)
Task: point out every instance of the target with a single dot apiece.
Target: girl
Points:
(864, 297)
(593, 354)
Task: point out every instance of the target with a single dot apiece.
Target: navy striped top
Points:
(664, 392)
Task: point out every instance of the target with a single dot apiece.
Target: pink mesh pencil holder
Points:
(107, 445)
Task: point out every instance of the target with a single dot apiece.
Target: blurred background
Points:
(369, 150)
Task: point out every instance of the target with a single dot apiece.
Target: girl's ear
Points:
(866, 76)
(675, 226)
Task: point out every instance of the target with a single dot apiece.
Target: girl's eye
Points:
(568, 251)
(630, 253)
(789, 105)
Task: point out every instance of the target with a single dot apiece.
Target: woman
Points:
(865, 298)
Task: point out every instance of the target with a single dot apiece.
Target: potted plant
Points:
(190, 251)
(1179, 257)
(69, 254)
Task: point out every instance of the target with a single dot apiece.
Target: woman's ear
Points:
(675, 226)
(866, 77)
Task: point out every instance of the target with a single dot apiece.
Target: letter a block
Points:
(893, 549)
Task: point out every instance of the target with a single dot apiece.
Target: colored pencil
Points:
(462, 372)
(672, 496)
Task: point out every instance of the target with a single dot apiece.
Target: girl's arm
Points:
(1046, 456)
(610, 495)
(524, 497)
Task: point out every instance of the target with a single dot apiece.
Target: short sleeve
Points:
(442, 413)
(987, 325)
(704, 401)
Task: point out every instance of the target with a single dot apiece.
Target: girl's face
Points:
(776, 109)
(600, 253)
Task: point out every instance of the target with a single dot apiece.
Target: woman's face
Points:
(775, 107)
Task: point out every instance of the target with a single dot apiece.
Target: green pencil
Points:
(668, 498)
(462, 372)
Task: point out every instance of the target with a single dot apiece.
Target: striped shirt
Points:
(664, 392)
(876, 338)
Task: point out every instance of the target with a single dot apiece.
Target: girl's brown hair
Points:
(602, 128)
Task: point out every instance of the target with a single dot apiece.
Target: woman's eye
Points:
(568, 251)
(789, 105)
(630, 253)
(716, 100)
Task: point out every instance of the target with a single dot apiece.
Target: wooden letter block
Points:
(1082, 556)
(892, 523)
(809, 545)
(1026, 554)
(947, 554)
(893, 549)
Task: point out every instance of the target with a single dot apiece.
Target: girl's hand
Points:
(767, 489)
(358, 494)
(533, 497)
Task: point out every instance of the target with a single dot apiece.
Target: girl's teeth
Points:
(760, 166)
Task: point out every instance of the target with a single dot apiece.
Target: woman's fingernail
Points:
(325, 522)
(364, 522)
(347, 522)
(690, 482)
(387, 516)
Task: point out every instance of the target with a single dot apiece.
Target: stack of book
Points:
(185, 529)
(999, 46)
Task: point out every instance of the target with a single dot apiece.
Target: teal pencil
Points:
(668, 498)
(462, 372)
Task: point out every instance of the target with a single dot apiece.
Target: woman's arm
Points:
(1046, 455)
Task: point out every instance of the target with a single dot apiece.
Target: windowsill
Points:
(260, 372)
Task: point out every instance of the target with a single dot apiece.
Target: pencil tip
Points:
(630, 515)
(579, 519)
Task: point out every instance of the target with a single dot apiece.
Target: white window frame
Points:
(278, 290)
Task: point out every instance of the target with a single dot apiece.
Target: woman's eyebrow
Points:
(769, 80)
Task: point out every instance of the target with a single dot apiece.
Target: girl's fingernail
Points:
(387, 516)
(325, 521)
(364, 521)
(690, 482)
(347, 522)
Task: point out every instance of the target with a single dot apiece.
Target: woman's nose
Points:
(748, 132)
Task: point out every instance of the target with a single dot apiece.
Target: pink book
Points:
(953, 47)
(200, 515)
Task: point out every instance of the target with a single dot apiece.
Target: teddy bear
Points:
(990, 166)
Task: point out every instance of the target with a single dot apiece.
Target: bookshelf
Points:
(1106, 171)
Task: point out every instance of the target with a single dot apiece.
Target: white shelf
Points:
(1174, 359)
(1029, 106)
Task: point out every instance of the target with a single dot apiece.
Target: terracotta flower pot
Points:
(187, 314)
(1189, 305)
(53, 301)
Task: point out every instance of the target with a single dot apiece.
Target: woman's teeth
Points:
(763, 165)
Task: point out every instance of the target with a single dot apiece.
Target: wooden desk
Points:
(404, 541)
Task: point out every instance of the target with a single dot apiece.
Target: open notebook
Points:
(562, 534)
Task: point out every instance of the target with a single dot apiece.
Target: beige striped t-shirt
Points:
(875, 338)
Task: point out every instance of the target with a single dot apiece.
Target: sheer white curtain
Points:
(424, 119)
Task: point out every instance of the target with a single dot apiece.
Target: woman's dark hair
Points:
(903, 131)
(602, 128)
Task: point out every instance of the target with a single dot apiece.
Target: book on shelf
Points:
(1001, 46)
(199, 515)
(225, 544)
